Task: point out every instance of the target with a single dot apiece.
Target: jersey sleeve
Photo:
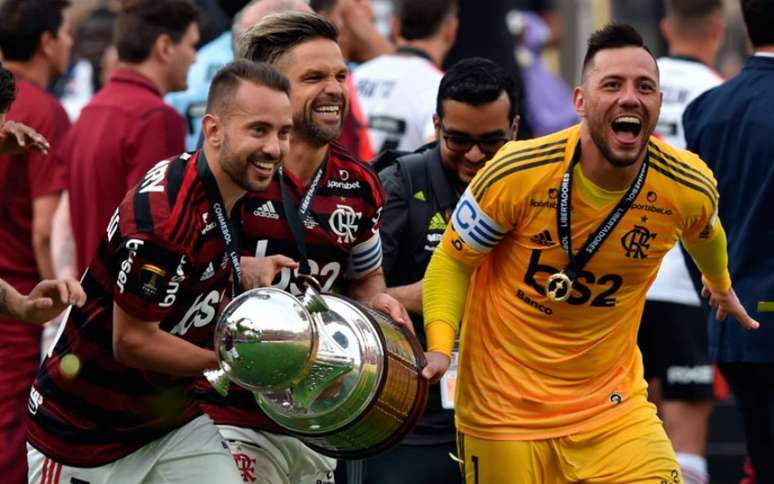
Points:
(485, 213)
(366, 253)
(148, 270)
(703, 235)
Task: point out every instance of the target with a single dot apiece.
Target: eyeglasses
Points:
(463, 144)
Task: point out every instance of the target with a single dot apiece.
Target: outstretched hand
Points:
(17, 138)
(49, 298)
(728, 304)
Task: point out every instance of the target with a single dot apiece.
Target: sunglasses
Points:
(462, 144)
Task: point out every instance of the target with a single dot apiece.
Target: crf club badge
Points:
(637, 241)
(151, 278)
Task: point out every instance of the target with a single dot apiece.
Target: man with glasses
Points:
(475, 116)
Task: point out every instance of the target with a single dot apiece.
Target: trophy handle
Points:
(311, 300)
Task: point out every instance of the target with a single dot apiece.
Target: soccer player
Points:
(398, 91)
(334, 203)
(680, 381)
(547, 260)
(111, 402)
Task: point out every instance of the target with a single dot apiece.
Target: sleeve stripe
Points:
(504, 173)
(489, 244)
(365, 266)
(672, 161)
(686, 183)
(495, 233)
(690, 178)
(495, 167)
(357, 256)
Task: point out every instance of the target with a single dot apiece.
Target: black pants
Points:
(404, 464)
(753, 387)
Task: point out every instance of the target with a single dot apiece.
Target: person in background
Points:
(126, 128)
(475, 116)
(398, 91)
(191, 102)
(680, 380)
(36, 39)
(730, 126)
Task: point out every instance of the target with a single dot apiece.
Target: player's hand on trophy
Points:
(390, 305)
(728, 304)
(260, 271)
(437, 364)
(17, 138)
(48, 299)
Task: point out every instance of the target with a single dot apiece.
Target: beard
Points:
(598, 137)
(238, 169)
(314, 134)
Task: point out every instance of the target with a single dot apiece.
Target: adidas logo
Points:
(208, 272)
(543, 238)
(266, 211)
(437, 223)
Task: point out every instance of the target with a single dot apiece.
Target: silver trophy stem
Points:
(219, 380)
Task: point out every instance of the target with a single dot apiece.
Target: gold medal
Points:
(558, 286)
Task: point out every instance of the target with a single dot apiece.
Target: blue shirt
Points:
(192, 102)
(731, 127)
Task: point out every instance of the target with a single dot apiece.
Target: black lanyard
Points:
(228, 232)
(563, 210)
(295, 216)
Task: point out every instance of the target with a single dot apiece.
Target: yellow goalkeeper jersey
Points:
(531, 368)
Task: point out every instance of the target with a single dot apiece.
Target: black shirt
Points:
(420, 197)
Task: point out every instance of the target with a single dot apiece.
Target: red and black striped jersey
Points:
(163, 259)
(341, 233)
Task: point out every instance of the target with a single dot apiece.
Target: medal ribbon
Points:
(563, 210)
(295, 216)
(228, 232)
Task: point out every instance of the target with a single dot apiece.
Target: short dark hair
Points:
(477, 81)
(613, 36)
(422, 19)
(759, 17)
(141, 22)
(7, 89)
(226, 81)
(23, 22)
(690, 16)
(277, 33)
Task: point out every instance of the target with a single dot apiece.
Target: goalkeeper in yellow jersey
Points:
(546, 264)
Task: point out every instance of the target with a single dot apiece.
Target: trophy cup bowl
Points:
(341, 377)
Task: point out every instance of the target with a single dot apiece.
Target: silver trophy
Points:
(341, 377)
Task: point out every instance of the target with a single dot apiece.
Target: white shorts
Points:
(276, 459)
(194, 453)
